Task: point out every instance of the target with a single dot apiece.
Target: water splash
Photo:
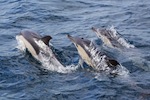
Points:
(47, 57)
(121, 70)
(118, 38)
(99, 61)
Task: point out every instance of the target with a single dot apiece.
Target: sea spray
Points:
(118, 38)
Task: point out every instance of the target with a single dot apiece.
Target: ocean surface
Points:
(23, 78)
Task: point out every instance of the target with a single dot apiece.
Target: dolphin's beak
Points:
(71, 38)
(94, 29)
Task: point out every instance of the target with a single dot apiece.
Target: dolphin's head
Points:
(104, 34)
(82, 46)
(79, 41)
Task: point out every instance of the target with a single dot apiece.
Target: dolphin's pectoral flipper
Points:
(80, 63)
(46, 39)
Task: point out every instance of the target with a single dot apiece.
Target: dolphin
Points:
(93, 57)
(111, 38)
(38, 46)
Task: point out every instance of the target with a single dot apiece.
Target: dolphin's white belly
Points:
(84, 55)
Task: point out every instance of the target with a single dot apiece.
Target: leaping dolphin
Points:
(111, 38)
(94, 57)
(38, 46)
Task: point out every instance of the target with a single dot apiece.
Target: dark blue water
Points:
(21, 77)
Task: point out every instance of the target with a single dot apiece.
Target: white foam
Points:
(121, 40)
(49, 60)
(47, 57)
(121, 70)
(98, 58)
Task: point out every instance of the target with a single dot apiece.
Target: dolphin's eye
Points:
(82, 38)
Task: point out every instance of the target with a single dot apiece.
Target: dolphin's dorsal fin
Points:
(46, 39)
(113, 63)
